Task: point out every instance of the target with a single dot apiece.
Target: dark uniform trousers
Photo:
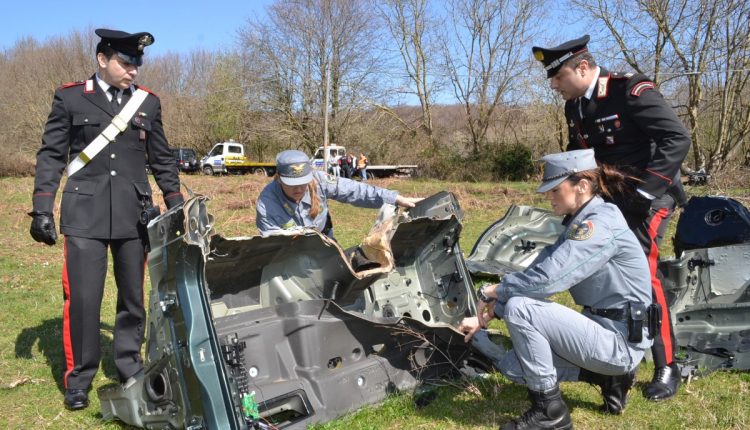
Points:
(650, 231)
(84, 272)
(628, 123)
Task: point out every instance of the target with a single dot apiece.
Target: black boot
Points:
(76, 399)
(614, 389)
(665, 383)
(548, 411)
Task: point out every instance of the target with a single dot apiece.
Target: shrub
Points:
(17, 165)
(512, 163)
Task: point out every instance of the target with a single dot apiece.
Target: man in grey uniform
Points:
(599, 260)
(298, 196)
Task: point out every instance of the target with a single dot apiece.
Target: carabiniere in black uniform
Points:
(101, 208)
(629, 125)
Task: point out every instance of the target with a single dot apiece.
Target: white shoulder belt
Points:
(118, 125)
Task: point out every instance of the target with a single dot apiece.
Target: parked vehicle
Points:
(229, 157)
(377, 171)
(186, 160)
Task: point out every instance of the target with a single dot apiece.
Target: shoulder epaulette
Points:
(617, 75)
(141, 87)
(602, 87)
(72, 84)
(640, 87)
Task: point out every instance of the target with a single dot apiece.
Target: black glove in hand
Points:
(43, 228)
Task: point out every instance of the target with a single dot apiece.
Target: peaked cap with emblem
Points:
(294, 167)
(553, 58)
(129, 46)
(557, 167)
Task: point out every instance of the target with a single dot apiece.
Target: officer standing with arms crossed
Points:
(628, 124)
(104, 129)
(598, 259)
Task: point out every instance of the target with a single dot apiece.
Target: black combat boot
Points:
(614, 389)
(665, 383)
(548, 411)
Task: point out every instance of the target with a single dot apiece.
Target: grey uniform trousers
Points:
(552, 342)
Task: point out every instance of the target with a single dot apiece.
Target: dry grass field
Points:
(31, 359)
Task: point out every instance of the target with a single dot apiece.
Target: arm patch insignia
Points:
(641, 87)
(581, 231)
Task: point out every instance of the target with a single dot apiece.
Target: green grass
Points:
(31, 358)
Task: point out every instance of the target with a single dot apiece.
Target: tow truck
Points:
(229, 157)
(377, 171)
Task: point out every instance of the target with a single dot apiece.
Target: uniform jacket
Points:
(274, 211)
(628, 123)
(597, 258)
(104, 199)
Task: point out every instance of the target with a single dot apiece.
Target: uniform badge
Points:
(581, 231)
(601, 128)
(571, 124)
(288, 210)
(289, 224)
(610, 140)
(297, 168)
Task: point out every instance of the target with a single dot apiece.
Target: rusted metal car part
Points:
(288, 330)
(514, 241)
(707, 284)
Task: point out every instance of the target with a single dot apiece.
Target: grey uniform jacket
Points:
(597, 258)
(274, 211)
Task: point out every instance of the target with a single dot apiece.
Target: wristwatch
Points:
(481, 296)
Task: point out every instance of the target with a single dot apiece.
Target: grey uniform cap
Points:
(557, 167)
(294, 167)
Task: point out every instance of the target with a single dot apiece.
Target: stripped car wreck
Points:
(707, 283)
(289, 330)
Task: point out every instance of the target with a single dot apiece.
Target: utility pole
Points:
(326, 155)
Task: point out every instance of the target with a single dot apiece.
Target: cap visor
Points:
(292, 182)
(548, 185)
(130, 59)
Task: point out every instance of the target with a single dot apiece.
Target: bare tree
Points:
(292, 51)
(725, 118)
(412, 27)
(699, 48)
(484, 57)
(30, 72)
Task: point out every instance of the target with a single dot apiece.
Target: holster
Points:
(148, 213)
(637, 317)
(654, 320)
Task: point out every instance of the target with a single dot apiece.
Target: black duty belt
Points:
(612, 314)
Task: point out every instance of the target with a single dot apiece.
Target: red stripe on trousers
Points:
(67, 343)
(143, 278)
(656, 286)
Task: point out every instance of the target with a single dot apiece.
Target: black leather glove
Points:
(43, 227)
(173, 200)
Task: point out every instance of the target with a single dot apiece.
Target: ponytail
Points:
(608, 181)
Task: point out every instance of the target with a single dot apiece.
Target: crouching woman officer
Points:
(298, 196)
(601, 262)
